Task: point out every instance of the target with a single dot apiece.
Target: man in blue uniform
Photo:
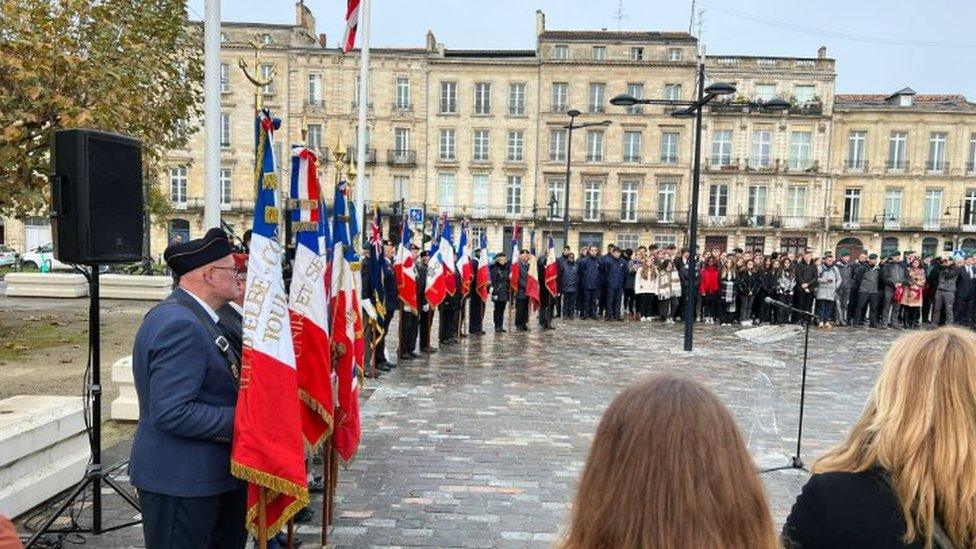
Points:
(615, 272)
(186, 379)
(590, 279)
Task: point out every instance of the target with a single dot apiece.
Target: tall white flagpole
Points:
(211, 114)
(361, 144)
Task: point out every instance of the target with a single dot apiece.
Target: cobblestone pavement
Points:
(480, 444)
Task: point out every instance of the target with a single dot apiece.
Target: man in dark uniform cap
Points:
(186, 380)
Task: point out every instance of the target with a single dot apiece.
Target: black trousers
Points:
(864, 300)
(498, 315)
(212, 522)
(426, 322)
(522, 312)
(381, 344)
(590, 298)
(614, 296)
(408, 332)
(476, 308)
(569, 303)
(448, 330)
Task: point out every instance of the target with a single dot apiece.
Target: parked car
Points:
(40, 255)
(8, 256)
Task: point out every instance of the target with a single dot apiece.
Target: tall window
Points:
(513, 195)
(401, 187)
(628, 241)
(666, 193)
(448, 142)
(718, 200)
(224, 78)
(480, 145)
(937, 152)
(516, 144)
(401, 140)
(402, 92)
(628, 201)
(314, 89)
(665, 240)
(479, 194)
(669, 147)
(757, 204)
(636, 54)
(560, 96)
(225, 187)
(721, 148)
(557, 144)
(369, 92)
(516, 99)
(971, 165)
(265, 70)
(892, 208)
(594, 146)
(556, 188)
(800, 150)
(897, 148)
(177, 184)
(445, 192)
(632, 146)
(804, 93)
(599, 53)
(591, 200)
(765, 92)
(969, 208)
(761, 146)
(482, 98)
(852, 206)
(636, 90)
(855, 150)
(314, 137)
(932, 209)
(598, 92)
(560, 51)
(448, 97)
(224, 129)
(672, 92)
(796, 205)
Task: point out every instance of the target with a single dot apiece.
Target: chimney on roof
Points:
(304, 17)
(431, 41)
(322, 40)
(540, 23)
(822, 52)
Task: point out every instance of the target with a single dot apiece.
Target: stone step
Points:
(43, 449)
(149, 288)
(45, 285)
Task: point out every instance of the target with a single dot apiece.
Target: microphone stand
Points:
(795, 461)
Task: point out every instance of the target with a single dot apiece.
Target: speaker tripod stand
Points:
(95, 474)
(796, 462)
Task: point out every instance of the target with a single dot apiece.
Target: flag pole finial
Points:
(256, 79)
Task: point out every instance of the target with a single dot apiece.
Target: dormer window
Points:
(906, 100)
(266, 39)
(636, 54)
(904, 97)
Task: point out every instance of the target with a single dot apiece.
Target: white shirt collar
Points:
(238, 308)
(208, 308)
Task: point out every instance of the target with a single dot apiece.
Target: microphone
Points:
(770, 301)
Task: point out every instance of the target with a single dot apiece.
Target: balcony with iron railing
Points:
(354, 157)
(936, 167)
(401, 157)
(632, 159)
(722, 164)
(401, 107)
(970, 168)
(762, 221)
(669, 159)
(802, 165)
(896, 166)
(856, 166)
(594, 157)
(597, 109)
(762, 165)
(898, 223)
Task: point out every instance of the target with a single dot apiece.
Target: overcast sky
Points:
(880, 46)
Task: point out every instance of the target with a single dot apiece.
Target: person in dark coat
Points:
(521, 297)
(545, 299)
(569, 284)
(391, 302)
(806, 282)
(615, 276)
(448, 308)
(410, 320)
(747, 285)
(590, 279)
(476, 307)
(867, 281)
(426, 314)
(500, 289)
(187, 390)
(894, 275)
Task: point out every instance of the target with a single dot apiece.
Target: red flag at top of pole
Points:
(552, 269)
(352, 23)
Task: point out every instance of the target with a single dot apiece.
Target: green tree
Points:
(124, 66)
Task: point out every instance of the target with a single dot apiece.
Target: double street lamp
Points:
(573, 113)
(694, 108)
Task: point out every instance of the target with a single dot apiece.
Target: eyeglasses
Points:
(237, 271)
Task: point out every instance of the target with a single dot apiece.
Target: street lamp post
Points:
(572, 113)
(695, 108)
(959, 208)
(884, 221)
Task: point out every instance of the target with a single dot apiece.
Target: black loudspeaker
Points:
(96, 197)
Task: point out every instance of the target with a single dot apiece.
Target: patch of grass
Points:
(20, 337)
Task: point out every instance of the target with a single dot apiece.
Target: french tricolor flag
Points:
(484, 276)
(405, 270)
(464, 265)
(267, 450)
(445, 248)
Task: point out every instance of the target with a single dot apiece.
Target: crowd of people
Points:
(905, 476)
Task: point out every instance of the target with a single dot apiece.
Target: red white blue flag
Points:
(308, 302)
(464, 265)
(267, 450)
(352, 24)
(483, 276)
(406, 271)
(436, 290)
(552, 269)
(445, 248)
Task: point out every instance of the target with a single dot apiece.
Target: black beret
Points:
(872, 256)
(188, 256)
(424, 253)
(524, 251)
(414, 247)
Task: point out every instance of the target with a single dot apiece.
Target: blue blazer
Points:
(187, 395)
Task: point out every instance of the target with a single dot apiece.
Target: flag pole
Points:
(291, 533)
(326, 485)
(262, 517)
(361, 150)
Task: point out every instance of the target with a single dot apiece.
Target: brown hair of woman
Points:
(919, 424)
(668, 469)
